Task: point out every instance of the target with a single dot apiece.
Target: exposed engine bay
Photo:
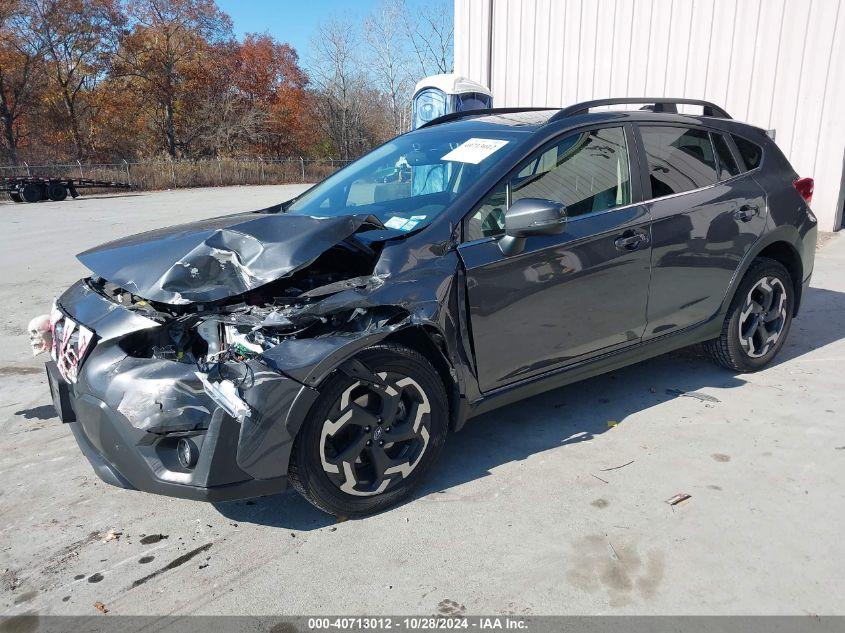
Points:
(246, 325)
(219, 337)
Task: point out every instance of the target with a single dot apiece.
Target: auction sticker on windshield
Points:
(403, 224)
(474, 150)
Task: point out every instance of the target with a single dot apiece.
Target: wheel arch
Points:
(431, 343)
(311, 362)
(780, 245)
(787, 255)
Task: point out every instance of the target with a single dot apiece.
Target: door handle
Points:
(746, 212)
(630, 241)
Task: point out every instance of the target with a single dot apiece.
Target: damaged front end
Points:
(205, 359)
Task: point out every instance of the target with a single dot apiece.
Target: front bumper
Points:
(127, 457)
(128, 414)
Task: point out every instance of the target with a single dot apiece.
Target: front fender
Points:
(310, 360)
(279, 407)
(305, 363)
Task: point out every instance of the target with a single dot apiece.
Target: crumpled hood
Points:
(221, 257)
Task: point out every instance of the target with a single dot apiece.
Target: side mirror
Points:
(531, 216)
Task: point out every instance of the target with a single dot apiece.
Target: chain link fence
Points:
(167, 174)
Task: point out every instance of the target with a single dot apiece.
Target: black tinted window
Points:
(586, 171)
(489, 218)
(679, 159)
(751, 152)
(727, 165)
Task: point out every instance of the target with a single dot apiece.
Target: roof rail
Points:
(661, 104)
(454, 116)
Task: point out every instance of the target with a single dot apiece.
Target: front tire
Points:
(365, 446)
(758, 319)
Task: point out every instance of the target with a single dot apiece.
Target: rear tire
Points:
(364, 447)
(56, 192)
(15, 196)
(758, 319)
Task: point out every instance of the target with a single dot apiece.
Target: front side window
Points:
(488, 220)
(587, 171)
(679, 159)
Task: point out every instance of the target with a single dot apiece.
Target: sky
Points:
(292, 21)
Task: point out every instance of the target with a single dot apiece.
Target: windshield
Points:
(408, 181)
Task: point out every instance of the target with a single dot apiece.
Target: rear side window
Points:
(679, 159)
(751, 152)
(727, 165)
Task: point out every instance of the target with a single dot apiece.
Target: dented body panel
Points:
(127, 413)
(218, 258)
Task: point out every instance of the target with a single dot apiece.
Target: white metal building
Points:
(778, 64)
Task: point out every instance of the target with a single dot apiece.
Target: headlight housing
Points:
(71, 342)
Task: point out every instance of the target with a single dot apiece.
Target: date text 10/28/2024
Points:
(481, 623)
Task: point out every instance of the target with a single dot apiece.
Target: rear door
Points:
(705, 216)
(564, 296)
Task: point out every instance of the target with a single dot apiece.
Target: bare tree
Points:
(430, 31)
(336, 74)
(229, 122)
(384, 35)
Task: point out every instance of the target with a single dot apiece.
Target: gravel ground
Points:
(555, 505)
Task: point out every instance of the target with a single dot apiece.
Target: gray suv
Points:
(333, 341)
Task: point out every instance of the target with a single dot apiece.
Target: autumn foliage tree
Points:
(170, 53)
(105, 80)
(76, 38)
(270, 79)
(20, 74)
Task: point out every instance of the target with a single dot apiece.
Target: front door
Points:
(563, 297)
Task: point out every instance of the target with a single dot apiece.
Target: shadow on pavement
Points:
(41, 412)
(106, 196)
(820, 322)
(287, 510)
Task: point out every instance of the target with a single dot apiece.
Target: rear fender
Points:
(786, 234)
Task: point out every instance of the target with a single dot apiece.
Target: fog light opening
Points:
(187, 452)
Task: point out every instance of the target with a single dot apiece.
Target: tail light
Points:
(805, 186)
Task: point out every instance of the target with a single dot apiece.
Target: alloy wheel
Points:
(763, 316)
(376, 434)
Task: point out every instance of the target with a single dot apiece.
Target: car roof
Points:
(536, 121)
(657, 110)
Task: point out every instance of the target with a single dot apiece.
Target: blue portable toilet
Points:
(443, 94)
(433, 97)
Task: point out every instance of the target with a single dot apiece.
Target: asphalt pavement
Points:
(554, 505)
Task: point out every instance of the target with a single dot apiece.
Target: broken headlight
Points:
(71, 342)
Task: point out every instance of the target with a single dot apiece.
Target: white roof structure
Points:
(451, 84)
